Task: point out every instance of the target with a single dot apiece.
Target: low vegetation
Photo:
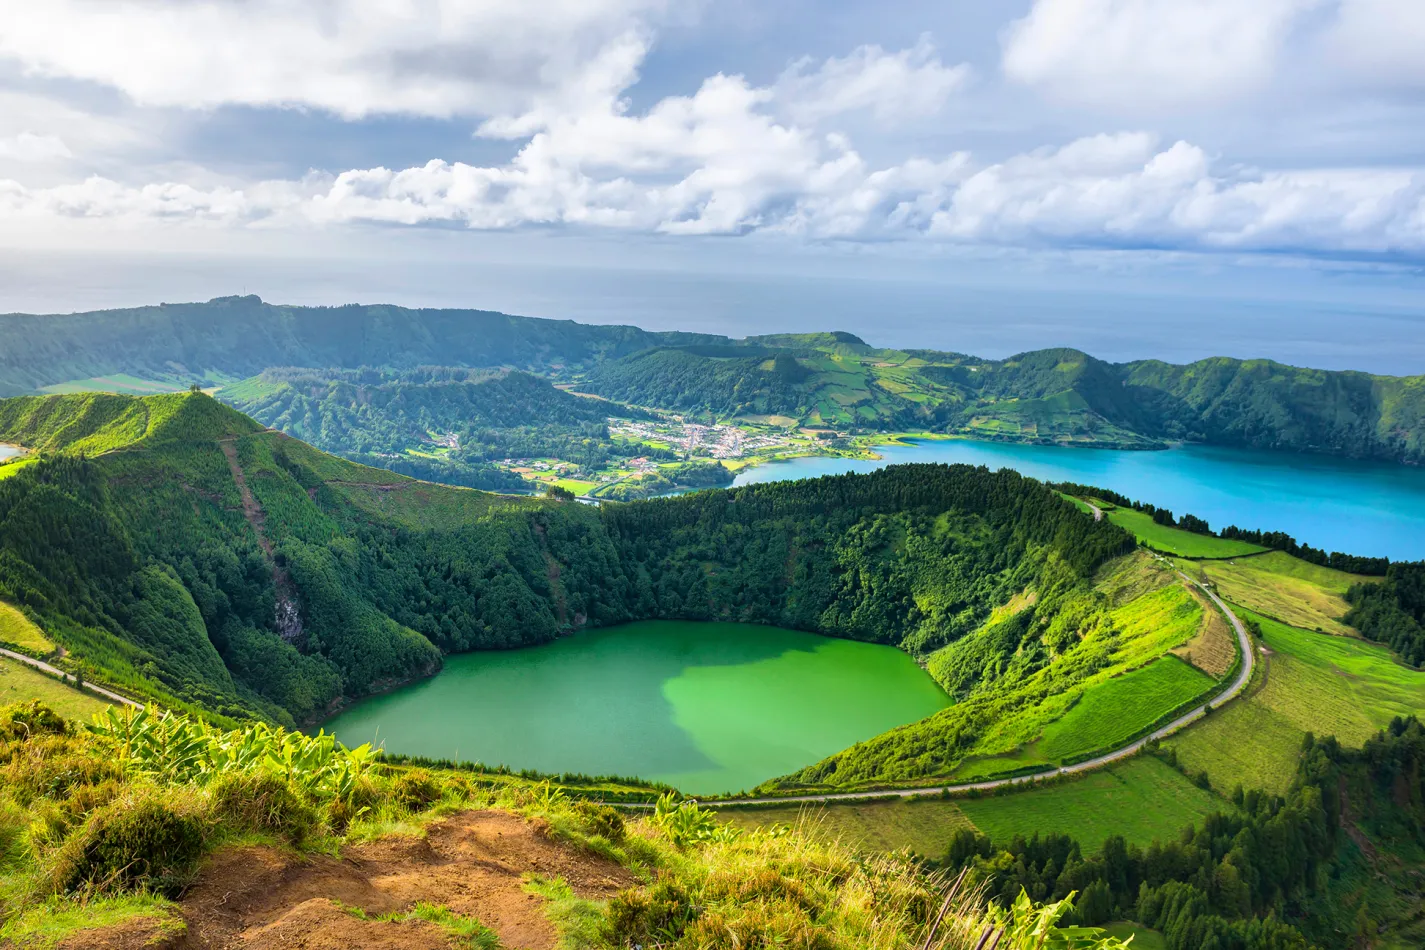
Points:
(21, 684)
(1307, 682)
(1170, 540)
(1280, 586)
(117, 819)
(18, 630)
(1139, 800)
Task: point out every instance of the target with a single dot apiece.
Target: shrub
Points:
(145, 840)
(415, 790)
(26, 720)
(600, 819)
(361, 797)
(261, 801)
(654, 917)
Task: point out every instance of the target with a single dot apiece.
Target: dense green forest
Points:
(395, 420)
(217, 565)
(1322, 865)
(820, 379)
(1393, 612)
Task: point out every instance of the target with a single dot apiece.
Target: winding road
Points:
(1244, 676)
(44, 667)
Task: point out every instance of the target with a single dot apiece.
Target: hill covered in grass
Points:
(817, 379)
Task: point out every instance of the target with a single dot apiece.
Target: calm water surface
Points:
(708, 707)
(1358, 507)
(9, 451)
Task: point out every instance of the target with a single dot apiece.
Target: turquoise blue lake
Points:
(1365, 508)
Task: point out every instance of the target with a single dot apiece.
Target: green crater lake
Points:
(707, 707)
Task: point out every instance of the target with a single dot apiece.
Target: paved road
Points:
(54, 671)
(1193, 715)
(1097, 511)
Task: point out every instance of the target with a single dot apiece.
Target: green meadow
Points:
(1307, 682)
(1285, 588)
(21, 684)
(1142, 798)
(1115, 712)
(1175, 540)
(19, 630)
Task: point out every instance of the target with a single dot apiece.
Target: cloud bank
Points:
(733, 156)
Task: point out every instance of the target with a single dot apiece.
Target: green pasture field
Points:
(20, 684)
(1143, 937)
(925, 827)
(1079, 503)
(1285, 588)
(1309, 682)
(1154, 623)
(12, 468)
(18, 629)
(1175, 540)
(1113, 712)
(1141, 798)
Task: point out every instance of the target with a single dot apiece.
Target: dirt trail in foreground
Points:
(260, 898)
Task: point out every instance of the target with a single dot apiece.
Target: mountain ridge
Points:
(832, 379)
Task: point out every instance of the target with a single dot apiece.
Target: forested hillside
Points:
(242, 336)
(212, 564)
(437, 423)
(819, 379)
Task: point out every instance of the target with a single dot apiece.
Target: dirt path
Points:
(1244, 644)
(1097, 511)
(474, 864)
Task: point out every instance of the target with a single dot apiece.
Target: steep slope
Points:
(1267, 405)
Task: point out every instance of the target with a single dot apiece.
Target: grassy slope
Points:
(17, 629)
(925, 827)
(1175, 540)
(1144, 938)
(1148, 621)
(1310, 682)
(1113, 712)
(1141, 799)
(1278, 585)
(21, 684)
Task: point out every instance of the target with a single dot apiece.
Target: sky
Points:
(1164, 178)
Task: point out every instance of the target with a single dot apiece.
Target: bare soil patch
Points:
(474, 864)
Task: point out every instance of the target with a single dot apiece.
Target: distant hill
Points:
(242, 336)
(833, 379)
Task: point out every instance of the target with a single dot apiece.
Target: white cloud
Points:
(1106, 191)
(1381, 40)
(351, 57)
(29, 147)
(893, 87)
(1121, 191)
(1140, 54)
